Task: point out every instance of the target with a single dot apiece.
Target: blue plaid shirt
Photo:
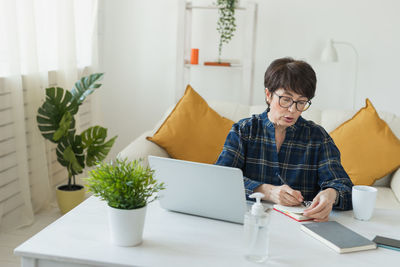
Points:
(308, 159)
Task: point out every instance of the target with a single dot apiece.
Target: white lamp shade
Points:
(329, 54)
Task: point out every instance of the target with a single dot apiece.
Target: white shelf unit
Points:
(246, 65)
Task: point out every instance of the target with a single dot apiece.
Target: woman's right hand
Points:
(282, 195)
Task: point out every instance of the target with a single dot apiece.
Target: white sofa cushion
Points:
(140, 148)
(384, 181)
(312, 114)
(331, 119)
(393, 121)
(395, 184)
(385, 198)
(256, 110)
(231, 111)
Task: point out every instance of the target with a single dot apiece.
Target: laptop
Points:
(200, 189)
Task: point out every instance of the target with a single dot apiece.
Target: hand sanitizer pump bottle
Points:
(256, 231)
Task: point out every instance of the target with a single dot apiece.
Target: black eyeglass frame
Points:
(293, 102)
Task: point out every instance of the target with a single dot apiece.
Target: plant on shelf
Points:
(74, 151)
(226, 25)
(127, 187)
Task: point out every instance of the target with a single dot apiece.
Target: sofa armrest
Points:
(395, 184)
(141, 148)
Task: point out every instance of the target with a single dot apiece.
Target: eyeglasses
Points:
(287, 102)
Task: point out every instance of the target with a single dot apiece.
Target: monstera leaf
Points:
(85, 87)
(69, 156)
(65, 125)
(55, 116)
(70, 153)
(93, 140)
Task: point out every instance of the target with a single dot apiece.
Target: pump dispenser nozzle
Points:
(257, 209)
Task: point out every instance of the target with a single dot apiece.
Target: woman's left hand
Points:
(322, 205)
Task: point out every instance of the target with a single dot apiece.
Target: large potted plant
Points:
(74, 151)
(127, 187)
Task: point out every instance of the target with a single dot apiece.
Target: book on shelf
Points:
(337, 236)
(216, 63)
(296, 212)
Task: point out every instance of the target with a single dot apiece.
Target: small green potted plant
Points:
(127, 187)
(226, 24)
(74, 151)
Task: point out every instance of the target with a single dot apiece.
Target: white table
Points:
(80, 238)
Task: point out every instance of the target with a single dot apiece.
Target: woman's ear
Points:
(267, 95)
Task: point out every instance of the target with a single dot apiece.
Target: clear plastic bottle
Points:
(256, 230)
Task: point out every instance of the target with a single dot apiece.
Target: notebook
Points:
(296, 213)
(337, 236)
(386, 242)
(200, 189)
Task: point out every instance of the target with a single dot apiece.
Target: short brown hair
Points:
(292, 75)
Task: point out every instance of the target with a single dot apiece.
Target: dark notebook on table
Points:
(338, 237)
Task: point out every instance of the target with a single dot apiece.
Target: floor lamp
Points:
(329, 54)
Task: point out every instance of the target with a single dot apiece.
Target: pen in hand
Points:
(280, 178)
(305, 203)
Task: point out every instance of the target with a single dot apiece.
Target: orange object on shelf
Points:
(194, 56)
(222, 64)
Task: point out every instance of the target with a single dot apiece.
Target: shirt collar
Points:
(269, 124)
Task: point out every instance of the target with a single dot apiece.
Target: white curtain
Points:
(43, 43)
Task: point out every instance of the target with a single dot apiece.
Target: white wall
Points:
(138, 51)
(301, 28)
(137, 55)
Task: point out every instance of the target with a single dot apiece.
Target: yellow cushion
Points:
(193, 131)
(369, 149)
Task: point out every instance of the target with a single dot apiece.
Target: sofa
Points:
(388, 187)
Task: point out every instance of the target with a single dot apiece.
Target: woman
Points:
(284, 156)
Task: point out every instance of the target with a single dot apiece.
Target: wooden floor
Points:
(11, 239)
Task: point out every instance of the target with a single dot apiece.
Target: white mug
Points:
(363, 199)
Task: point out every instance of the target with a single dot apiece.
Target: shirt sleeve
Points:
(332, 174)
(233, 155)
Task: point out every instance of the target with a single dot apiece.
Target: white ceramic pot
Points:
(126, 226)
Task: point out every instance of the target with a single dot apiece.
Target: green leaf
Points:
(85, 87)
(65, 124)
(94, 141)
(69, 156)
(75, 143)
(50, 114)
